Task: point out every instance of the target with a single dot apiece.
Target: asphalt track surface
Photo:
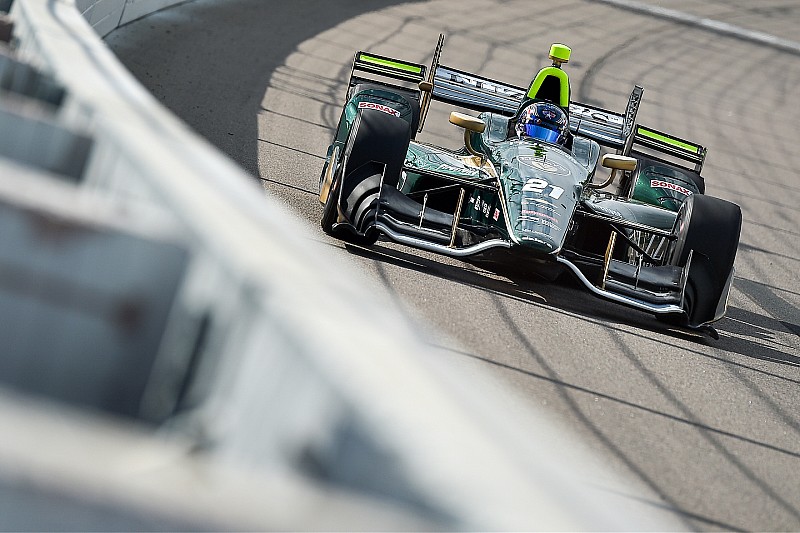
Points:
(707, 430)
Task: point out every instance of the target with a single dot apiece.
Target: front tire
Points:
(709, 228)
(373, 156)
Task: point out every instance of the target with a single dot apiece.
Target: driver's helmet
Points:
(544, 121)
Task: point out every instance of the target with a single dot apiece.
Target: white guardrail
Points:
(177, 355)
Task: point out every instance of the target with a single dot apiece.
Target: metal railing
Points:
(242, 366)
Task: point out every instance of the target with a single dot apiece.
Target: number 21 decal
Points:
(538, 185)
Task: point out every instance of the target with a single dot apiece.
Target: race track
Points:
(707, 430)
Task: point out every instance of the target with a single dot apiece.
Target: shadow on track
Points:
(744, 333)
(210, 62)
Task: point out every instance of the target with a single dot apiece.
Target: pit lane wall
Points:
(176, 356)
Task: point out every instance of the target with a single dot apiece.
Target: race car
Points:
(522, 189)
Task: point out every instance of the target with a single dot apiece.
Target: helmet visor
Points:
(540, 132)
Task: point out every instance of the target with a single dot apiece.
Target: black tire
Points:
(375, 151)
(708, 227)
(330, 215)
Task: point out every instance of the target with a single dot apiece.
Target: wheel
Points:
(373, 157)
(709, 229)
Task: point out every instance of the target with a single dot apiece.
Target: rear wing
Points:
(474, 92)
(478, 93)
(666, 148)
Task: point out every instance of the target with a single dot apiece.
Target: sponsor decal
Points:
(379, 107)
(478, 205)
(542, 164)
(539, 185)
(444, 167)
(549, 113)
(527, 212)
(484, 85)
(538, 221)
(594, 114)
(496, 214)
(540, 241)
(539, 203)
(671, 186)
(482, 207)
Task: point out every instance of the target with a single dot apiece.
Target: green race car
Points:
(522, 190)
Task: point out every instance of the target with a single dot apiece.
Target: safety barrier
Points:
(253, 383)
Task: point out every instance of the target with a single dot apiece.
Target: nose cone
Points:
(539, 242)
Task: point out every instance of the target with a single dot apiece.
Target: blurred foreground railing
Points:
(178, 354)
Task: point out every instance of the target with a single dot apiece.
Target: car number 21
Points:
(538, 185)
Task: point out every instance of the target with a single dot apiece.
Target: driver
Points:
(543, 121)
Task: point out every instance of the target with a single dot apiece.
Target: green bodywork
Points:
(662, 185)
(535, 188)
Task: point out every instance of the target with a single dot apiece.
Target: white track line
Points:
(710, 24)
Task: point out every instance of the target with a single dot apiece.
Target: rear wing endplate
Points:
(456, 87)
(478, 93)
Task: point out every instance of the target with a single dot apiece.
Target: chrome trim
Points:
(625, 300)
(440, 248)
(456, 86)
(651, 295)
(626, 223)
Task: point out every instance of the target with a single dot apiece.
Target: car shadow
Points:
(740, 332)
(568, 297)
(210, 62)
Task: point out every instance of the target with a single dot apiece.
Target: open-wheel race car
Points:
(522, 189)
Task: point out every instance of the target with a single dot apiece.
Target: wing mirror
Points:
(467, 122)
(470, 124)
(614, 162)
(618, 162)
